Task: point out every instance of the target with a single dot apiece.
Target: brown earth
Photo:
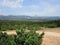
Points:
(51, 37)
(50, 29)
(51, 40)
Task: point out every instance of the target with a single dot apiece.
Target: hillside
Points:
(22, 17)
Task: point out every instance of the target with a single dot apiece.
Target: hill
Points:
(22, 17)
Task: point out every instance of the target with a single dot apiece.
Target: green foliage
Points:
(51, 25)
(31, 25)
(28, 38)
(6, 39)
(22, 38)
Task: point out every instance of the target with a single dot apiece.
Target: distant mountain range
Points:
(11, 17)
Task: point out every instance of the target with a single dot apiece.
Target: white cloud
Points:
(49, 9)
(12, 4)
(42, 9)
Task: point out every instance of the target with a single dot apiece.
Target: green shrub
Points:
(51, 25)
(22, 38)
(28, 38)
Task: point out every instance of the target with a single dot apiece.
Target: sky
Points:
(30, 7)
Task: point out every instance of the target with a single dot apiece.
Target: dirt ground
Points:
(51, 37)
(51, 29)
(51, 40)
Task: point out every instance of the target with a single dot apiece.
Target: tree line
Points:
(31, 25)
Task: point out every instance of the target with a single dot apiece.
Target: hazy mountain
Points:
(11, 17)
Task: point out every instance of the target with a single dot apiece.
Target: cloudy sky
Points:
(30, 7)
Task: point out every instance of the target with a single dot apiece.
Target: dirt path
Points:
(51, 38)
(10, 32)
(51, 29)
(53, 34)
(50, 33)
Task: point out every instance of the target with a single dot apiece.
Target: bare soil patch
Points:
(51, 29)
(51, 39)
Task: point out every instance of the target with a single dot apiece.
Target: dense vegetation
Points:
(31, 25)
(22, 38)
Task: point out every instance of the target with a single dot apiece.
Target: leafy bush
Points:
(22, 38)
(6, 39)
(28, 38)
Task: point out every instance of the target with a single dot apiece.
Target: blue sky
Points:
(30, 7)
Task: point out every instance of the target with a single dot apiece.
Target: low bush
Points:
(22, 38)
